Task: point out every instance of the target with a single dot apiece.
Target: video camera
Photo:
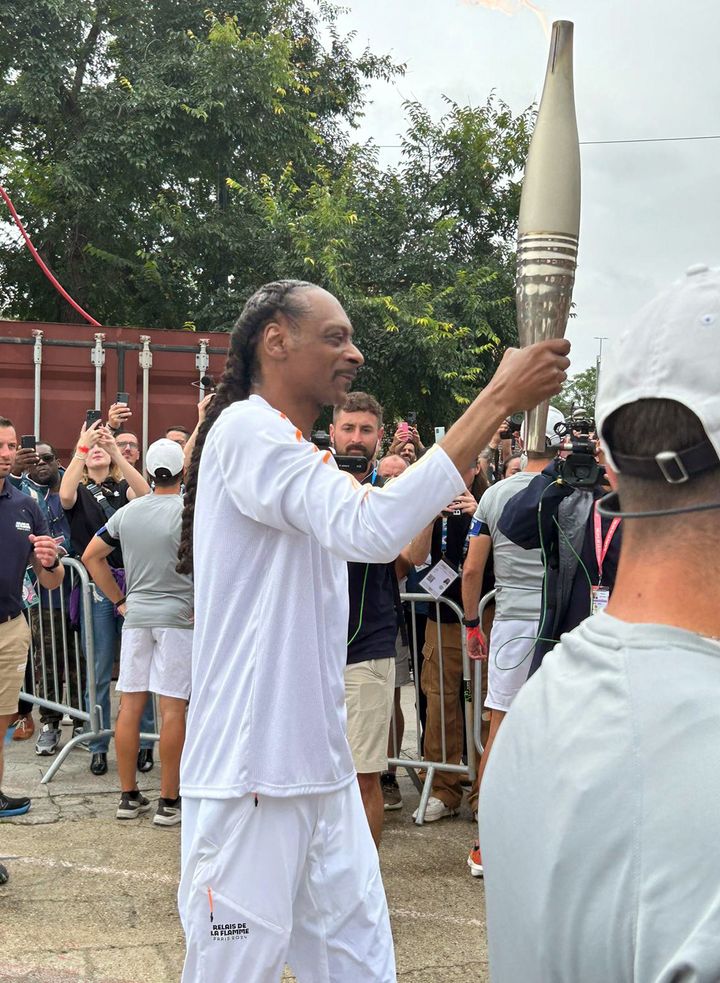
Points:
(346, 462)
(580, 468)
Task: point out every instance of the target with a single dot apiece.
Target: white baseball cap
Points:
(164, 459)
(551, 436)
(670, 351)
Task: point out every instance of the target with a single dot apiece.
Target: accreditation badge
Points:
(600, 598)
(437, 581)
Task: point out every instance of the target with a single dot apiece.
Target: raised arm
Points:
(74, 471)
(137, 485)
(189, 446)
(283, 481)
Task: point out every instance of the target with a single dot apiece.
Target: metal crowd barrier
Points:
(477, 689)
(60, 672)
(414, 765)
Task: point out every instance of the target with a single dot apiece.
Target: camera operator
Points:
(446, 539)
(357, 431)
(599, 812)
(581, 547)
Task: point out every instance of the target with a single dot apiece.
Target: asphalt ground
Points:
(92, 899)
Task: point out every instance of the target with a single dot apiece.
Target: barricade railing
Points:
(477, 687)
(420, 763)
(62, 669)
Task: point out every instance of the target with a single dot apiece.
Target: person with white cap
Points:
(157, 634)
(599, 813)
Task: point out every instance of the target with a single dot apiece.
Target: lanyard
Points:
(601, 547)
(443, 537)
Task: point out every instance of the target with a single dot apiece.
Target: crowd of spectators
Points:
(129, 554)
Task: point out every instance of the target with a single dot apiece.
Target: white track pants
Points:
(292, 880)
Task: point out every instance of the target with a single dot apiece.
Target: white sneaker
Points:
(436, 809)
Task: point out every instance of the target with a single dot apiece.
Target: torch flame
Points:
(511, 7)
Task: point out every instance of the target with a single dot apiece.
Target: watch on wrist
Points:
(55, 565)
(471, 622)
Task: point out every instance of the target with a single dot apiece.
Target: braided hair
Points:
(236, 383)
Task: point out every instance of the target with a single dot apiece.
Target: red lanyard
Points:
(601, 547)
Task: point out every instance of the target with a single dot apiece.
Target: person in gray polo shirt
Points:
(157, 633)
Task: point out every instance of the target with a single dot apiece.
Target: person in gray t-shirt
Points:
(518, 596)
(157, 633)
(599, 814)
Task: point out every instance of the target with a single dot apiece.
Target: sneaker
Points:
(436, 809)
(145, 759)
(25, 728)
(4, 876)
(474, 861)
(391, 792)
(48, 741)
(13, 807)
(169, 812)
(131, 805)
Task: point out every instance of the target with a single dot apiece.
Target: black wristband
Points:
(55, 565)
(471, 622)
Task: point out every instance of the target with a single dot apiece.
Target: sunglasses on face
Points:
(127, 444)
(47, 458)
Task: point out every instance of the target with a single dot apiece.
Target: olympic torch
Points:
(549, 216)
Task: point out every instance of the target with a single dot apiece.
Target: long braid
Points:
(236, 384)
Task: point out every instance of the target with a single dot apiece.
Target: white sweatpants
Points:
(292, 880)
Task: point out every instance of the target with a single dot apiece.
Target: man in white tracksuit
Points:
(278, 862)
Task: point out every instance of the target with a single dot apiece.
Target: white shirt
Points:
(275, 524)
(600, 813)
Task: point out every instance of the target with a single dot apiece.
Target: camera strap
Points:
(99, 495)
(602, 546)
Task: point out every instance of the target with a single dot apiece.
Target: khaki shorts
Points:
(14, 644)
(369, 691)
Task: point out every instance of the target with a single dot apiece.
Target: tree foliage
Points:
(168, 159)
(578, 393)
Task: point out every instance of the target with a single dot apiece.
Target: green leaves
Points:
(168, 157)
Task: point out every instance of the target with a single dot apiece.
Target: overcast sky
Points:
(643, 69)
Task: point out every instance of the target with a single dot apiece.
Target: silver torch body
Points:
(549, 221)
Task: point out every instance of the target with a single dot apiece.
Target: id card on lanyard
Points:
(600, 594)
(437, 581)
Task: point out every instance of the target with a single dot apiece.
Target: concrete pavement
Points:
(92, 899)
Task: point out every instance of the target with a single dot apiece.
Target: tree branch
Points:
(85, 55)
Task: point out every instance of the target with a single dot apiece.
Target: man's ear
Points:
(331, 431)
(274, 340)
